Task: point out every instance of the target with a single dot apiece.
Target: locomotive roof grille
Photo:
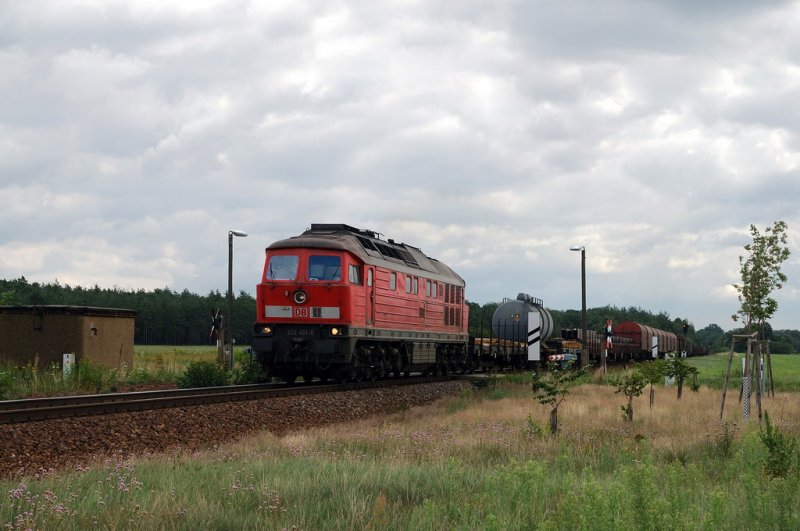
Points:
(407, 257)
(366, 243)
(388, 251)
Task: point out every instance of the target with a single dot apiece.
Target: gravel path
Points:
(28, 448)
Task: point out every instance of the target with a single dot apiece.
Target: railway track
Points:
(35, 409)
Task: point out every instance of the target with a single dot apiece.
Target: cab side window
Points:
(354, 274)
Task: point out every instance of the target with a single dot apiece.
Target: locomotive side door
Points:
(370, 295)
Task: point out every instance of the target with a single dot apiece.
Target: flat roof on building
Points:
(52, 309)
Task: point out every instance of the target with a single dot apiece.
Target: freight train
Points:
(510, 339)
(342, 303)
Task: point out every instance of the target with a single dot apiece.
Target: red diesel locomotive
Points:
(340, 302)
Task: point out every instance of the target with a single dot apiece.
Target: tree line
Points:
(164, 316)
(168, 317)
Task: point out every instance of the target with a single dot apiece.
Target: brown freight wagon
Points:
(643, 335)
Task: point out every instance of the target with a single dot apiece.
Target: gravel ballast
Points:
(28, 448)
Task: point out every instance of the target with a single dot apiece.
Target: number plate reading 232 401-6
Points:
(301, 332)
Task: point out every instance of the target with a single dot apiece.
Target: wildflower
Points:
(16, 494)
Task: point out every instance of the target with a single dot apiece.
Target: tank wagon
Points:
(510, 319)
(512, 334)
(342, 303)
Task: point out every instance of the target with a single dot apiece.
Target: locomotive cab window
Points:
(324, 268)
(354, 274)
(282, 267)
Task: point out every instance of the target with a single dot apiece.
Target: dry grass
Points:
(515, 427)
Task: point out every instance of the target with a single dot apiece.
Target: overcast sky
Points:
(493, 135)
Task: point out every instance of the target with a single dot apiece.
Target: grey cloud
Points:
(493, 135)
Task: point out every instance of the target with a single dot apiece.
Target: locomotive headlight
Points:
(337, 331)
(266, 330)
(300, 296)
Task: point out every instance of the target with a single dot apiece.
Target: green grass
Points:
(785, 370)
(361, 492)
(152, 365)
(166, 364)
(469, 462)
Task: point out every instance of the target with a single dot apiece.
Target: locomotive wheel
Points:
(356, 374)
(379, 371)
(394, 362)
(290, 378)
(308, 376)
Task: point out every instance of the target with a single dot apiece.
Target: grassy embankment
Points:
(476, 461)
(151, 365)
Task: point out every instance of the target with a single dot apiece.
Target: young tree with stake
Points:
(761, 275)
(552, 388)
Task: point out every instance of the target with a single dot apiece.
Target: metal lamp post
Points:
(229, 326)
(584, 342)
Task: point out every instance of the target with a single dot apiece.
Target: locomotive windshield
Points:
(282, 267)
(326, 268)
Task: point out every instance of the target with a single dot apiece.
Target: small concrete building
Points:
(43, 334)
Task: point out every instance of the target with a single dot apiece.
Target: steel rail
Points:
(52, 401)
(30, 410)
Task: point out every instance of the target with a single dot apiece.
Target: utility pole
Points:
(229, 341)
